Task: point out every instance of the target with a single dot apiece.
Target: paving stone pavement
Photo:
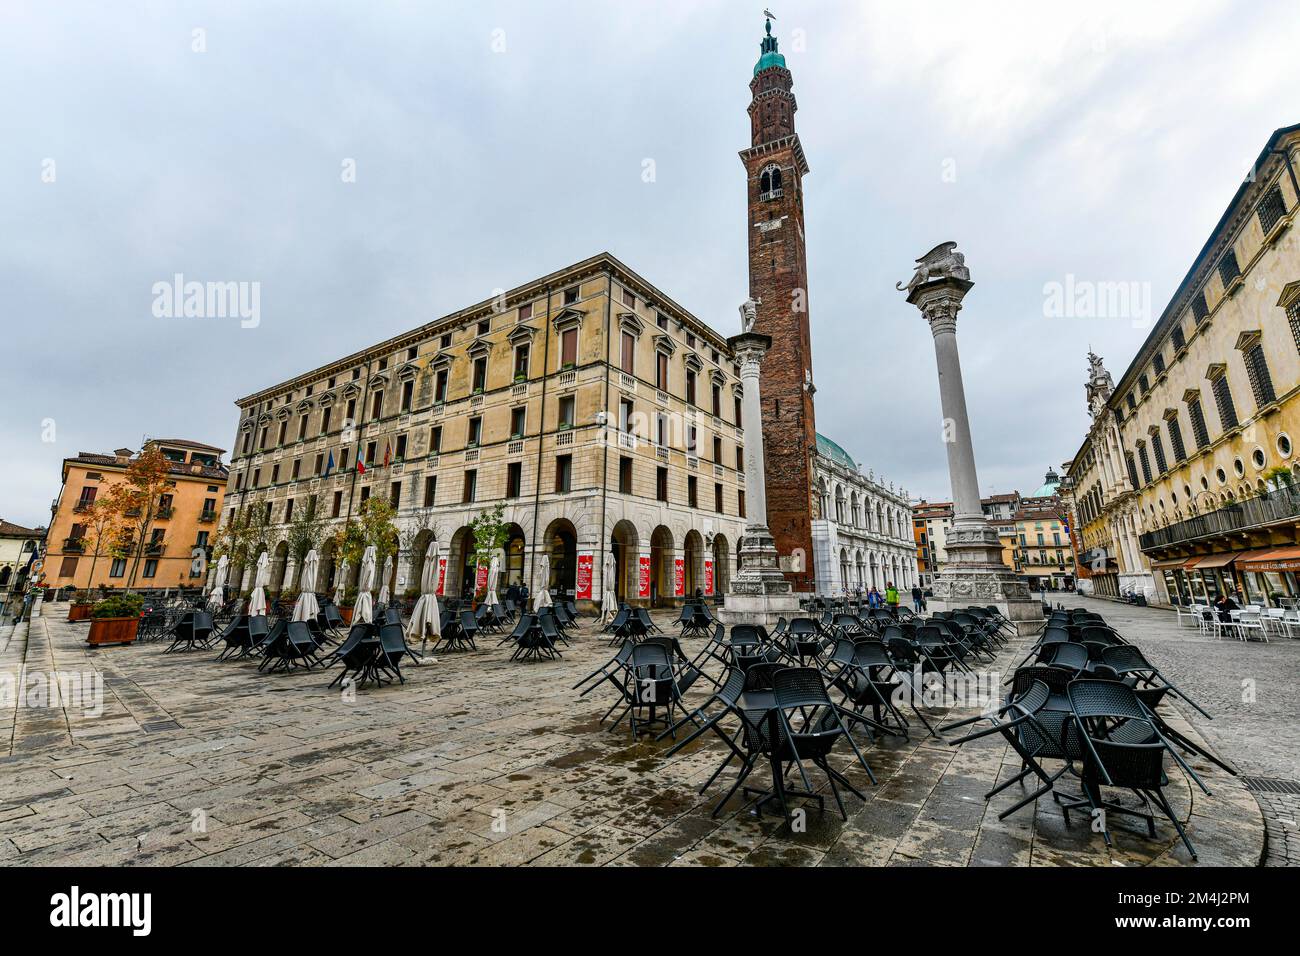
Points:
(1251, 689)
(478, 761)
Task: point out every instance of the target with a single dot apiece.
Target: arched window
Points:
(769, 183)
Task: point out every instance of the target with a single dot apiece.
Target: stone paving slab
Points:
(477, 761)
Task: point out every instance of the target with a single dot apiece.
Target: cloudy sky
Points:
(496, 142)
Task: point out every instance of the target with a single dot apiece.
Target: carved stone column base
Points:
(759, 592)
(957, 588)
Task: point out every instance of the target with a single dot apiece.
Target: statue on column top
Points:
(748, 315)
(941, 262)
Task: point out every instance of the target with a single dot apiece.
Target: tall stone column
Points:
(759, 593)
(974, 572)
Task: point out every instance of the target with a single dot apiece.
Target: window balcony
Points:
(771, 194)
(1276, 507)
(165, 512)
(207, 517)
(155, 549)
(74, 545)
(84, 504)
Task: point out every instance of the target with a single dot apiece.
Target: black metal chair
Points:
(392, 648)
(1122, 748)
(357, 654)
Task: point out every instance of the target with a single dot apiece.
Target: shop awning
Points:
(1210, 561)
(1169, 563)
(1277, 559)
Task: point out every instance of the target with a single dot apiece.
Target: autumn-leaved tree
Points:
(106, 530)
(306, 530)
(147, 480)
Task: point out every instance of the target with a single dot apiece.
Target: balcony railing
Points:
(207, 517)
(165, 512)
(83, 504)
(1282, 505)
(74, 544)
(154, 549)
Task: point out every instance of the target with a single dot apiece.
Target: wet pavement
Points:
(479, 761)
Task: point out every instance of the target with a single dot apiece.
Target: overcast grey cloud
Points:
(496, 142)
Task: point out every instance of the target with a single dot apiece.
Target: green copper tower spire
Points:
(770, 57)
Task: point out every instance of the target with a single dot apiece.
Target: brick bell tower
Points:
(778, 282)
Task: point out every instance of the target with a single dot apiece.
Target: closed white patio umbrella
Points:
(340, 584)
(608, 600)
(542, 598)
(384, 596)
(365, 609)
(494, 577)
(257, 600)
(425, 619)
(308, 607)
(217, 596)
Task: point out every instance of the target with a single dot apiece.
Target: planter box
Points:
(346, 614)
(79, 612)
(112, 630)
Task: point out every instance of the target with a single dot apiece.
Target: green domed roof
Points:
(770, 57)
(835, 453)
(1051, 485)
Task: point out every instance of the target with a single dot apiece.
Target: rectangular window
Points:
(690, 387)
(475, 432)
(661, 484)
(302, 428)
(248, 441)
(517, 422)
(435, 439)
(275, 474)
(470, 488)
(1158, 449)
(1271, 208)
(1261, 383)
(288, 511)
(1177, 337)
(690, 440)
(625, 411)
(395, 494)
(118, 568)
(1146, 466)
(521, 361)
(150, 567)
(445, 341)
(1223, 401)
(629, 353)
(661, 430)
(717, 401)
(525, 312)
(1200, 308)
(430, 490)
(257, 477)
(283, 433)
(484, 327)
(514, 479)
(352, 410)
(68, 567)
(1200, 434)
(1132, 471)
(661, 371)
(740, 458)
(692, 494)
(1176, 437)
(568, 348)
(480, 374)
(297, 468)
(717, 449)
(571, 296)
(740, 503)
(344, 455)
(739, 423)
(371, 448)
(1228, 267)
(377, 405)
(337, 508)
(566, 412)
(629, 299)
(1158, 363)
(408, 392)
(320, 464)
(625, 476)
(717, 497)
(399, 451)
(440, 386)
(563, 473)
(365, 495)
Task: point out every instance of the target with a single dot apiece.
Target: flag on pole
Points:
(361, 465)
(387, 456)
(329, 465)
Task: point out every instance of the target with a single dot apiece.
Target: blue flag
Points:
(329, 465)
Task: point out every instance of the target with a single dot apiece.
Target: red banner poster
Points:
(480, 577)
(708, 575)
(679, 577)
(442, 574)
(643, 577)
(584, 576)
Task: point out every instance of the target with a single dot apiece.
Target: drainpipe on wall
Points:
(541, 432)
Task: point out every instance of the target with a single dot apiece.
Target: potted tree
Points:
(80, 605)
(115, 619)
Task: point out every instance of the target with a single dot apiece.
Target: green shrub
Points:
(119, 605)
